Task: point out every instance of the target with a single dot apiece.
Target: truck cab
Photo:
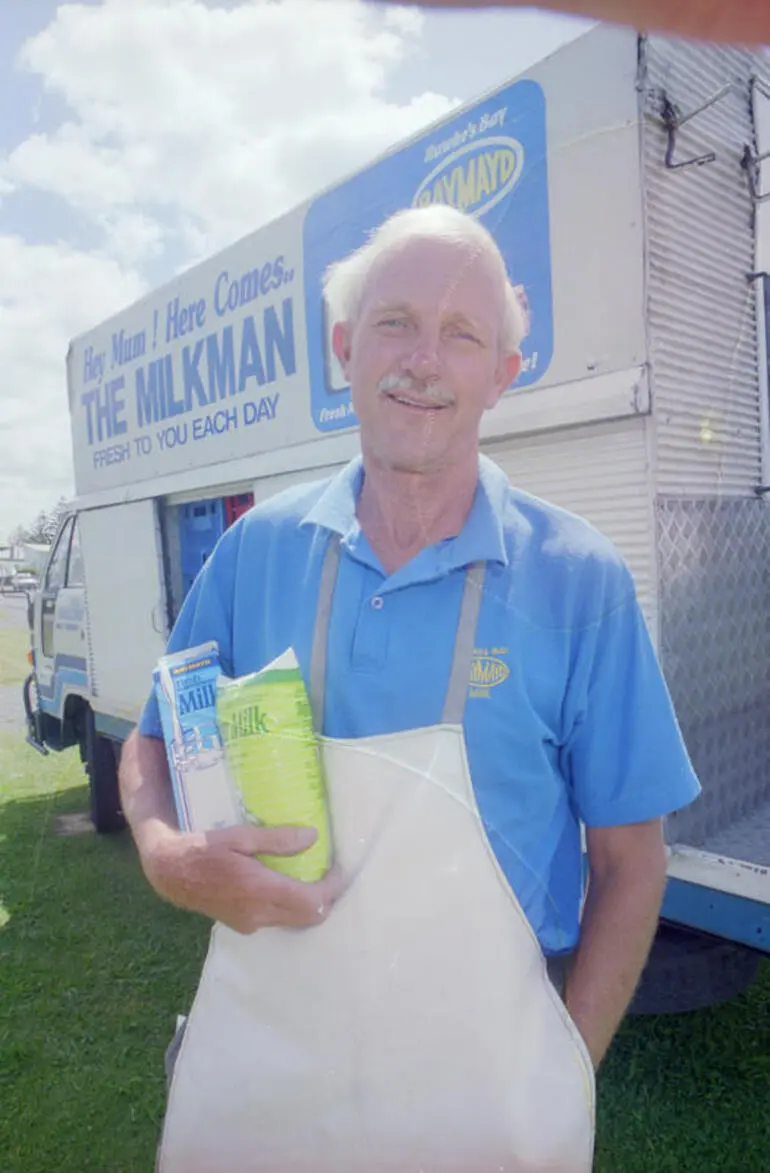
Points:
(66, 695)
(58, 691)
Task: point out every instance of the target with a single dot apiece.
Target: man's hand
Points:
(216, 874)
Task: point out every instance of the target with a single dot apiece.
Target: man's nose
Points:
(423, 361)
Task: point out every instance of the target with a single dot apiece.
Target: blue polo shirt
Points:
(567, 716)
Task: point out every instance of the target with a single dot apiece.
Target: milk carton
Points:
(266, 726)
(185, 685)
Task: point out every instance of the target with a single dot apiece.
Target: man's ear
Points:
(342, 334)
(506, 375)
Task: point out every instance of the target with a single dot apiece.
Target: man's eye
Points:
(392, 322)
(465, 335)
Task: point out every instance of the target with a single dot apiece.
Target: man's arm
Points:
(625, 890)
(739, 21)
(215, 873)
(145, 789)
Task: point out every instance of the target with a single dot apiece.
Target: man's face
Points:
(423, 359)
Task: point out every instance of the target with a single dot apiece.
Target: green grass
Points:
(689, 1093)
(14, 645)
(93, 969)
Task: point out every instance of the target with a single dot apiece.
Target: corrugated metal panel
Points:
(602, 474)
(700, 248)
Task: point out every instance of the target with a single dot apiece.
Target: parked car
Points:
(19, 582)
(24, 582)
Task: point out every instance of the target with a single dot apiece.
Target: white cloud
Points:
(220, 117)
(68, 163)
(404, 20)
(131, 236)
(6, 188)
(184, 127)
(48, 295)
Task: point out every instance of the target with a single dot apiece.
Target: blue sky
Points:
(134, 141)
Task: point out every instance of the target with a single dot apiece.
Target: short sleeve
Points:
(206, 614)
(625, 755)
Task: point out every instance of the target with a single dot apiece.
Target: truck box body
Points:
(642, 404)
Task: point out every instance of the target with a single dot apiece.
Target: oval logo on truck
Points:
(487, 671)
(475, 177)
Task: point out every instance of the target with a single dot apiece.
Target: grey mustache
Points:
(408, 386)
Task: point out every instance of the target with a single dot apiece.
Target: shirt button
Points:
(378, 602)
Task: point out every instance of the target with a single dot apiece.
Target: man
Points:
(739, 21)
(483, 678)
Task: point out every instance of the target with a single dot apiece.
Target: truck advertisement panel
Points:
(234, 357)
(489, 161)
(208, 369)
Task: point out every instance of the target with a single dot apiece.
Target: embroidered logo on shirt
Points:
(487, 670)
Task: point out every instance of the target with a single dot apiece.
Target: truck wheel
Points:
(688, 970)
(101, 765)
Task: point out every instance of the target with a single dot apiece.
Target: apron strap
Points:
(321, 633)
(459, 677)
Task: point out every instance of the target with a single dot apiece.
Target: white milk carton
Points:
(185, 685)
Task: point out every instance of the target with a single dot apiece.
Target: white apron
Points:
(416, 1030)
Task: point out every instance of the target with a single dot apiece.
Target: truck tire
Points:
(688, 970)
(100, 757)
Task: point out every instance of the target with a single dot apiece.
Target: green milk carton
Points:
(266, 726)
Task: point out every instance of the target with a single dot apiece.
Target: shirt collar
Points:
(481, 539)
(335, 509)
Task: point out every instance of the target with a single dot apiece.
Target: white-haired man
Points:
(481, 673)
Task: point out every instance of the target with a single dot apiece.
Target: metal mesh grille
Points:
(715, 651)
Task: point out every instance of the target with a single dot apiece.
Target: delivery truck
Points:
(627, 183)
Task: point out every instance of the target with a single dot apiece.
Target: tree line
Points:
(41, 531)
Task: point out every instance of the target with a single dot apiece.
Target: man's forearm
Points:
(619, 923)
(746, 21)
(145, 787)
